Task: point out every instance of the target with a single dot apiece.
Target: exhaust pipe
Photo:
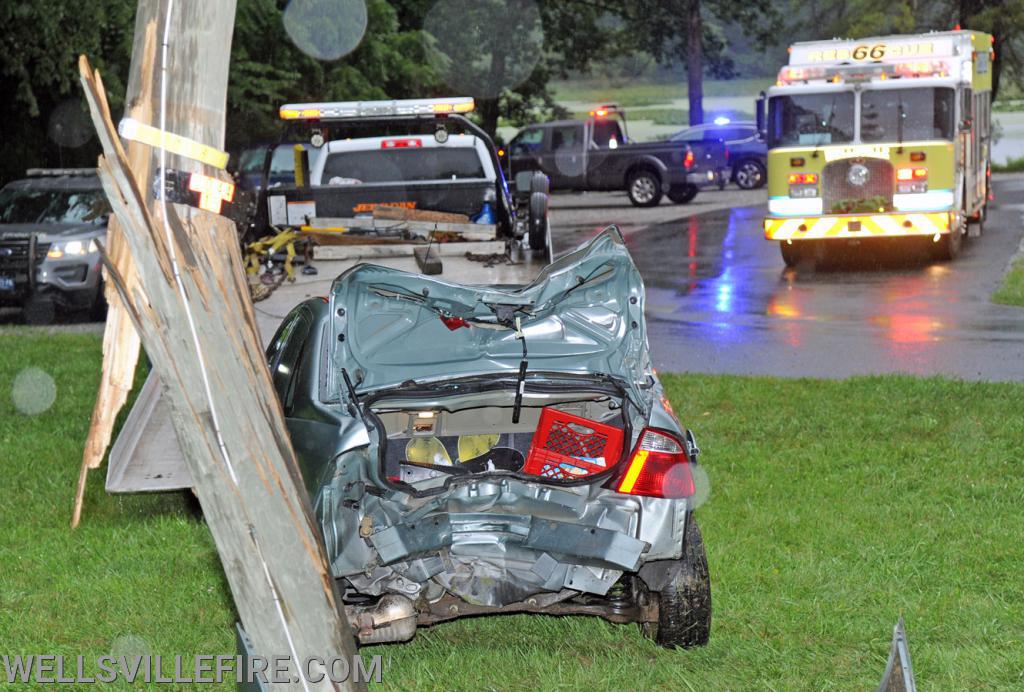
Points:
(391, 619)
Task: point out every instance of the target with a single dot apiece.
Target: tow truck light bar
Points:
(362, 109)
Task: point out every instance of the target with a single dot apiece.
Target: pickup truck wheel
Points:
(644, 188)
(749, 174)
(684, 608)
(683, 195)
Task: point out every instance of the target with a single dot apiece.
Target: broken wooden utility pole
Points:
(182, 282)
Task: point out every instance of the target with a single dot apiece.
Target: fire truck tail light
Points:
(659, 467)
(904, 174)
(803, 178)
(917, 156)
(796, 162)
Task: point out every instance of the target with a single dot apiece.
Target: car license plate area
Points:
(6, 283)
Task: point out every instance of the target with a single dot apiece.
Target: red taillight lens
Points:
(688, 160)
(912, 174)
(803, 178)
(659, 467)
(400, 143)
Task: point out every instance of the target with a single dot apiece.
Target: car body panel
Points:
(569, 326)
(491, 538)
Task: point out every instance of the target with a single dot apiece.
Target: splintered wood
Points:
(179, 278)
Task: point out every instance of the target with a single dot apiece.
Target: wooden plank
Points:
(428, 260)
(469, 231)
(121, 343)
(406, 214)
(370, 252)
(189, 303)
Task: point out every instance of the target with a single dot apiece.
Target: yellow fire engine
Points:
(879, 137)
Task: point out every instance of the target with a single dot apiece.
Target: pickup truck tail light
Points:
(659, 467)
(688, 159)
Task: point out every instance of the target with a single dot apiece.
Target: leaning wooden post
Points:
(189, 302)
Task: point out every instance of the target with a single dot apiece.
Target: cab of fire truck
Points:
(883, 137)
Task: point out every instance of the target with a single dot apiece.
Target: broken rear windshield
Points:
(403, 164)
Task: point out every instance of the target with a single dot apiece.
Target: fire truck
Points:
(884, 137)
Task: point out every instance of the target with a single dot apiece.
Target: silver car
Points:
(478, 450)
(50, 224)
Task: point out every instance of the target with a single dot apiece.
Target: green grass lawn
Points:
(632, 93)
(1011, 291)
(835, 508)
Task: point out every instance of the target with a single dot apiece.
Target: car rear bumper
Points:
(859, 226)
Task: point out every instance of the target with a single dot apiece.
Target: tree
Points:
(39, 45)
(693, 32)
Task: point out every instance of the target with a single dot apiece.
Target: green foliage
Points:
(40, 42)
(835, 507)
(1011, 290)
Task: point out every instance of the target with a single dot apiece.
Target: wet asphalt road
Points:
(720, 299)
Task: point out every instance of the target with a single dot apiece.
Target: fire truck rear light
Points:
(905, 174)
(796, 162)
(917, 156)
(803, 178)
(920, 173)
(659, 467)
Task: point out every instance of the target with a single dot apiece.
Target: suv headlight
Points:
(72, 248)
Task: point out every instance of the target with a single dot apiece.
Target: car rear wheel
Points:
(644, 188)
(749, 174)
(684, 608)
(683, 195)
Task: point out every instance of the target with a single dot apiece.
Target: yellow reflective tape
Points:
(132, 129)
(635, 467)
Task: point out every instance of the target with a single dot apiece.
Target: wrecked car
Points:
(476, 450)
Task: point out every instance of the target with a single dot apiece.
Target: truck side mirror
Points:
(761, 121)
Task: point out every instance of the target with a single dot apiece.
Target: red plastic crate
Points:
(564, 446)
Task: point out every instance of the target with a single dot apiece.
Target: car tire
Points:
(749, 174)
(950, 244)
(684, 194)
(644, 187)
(684, 608)
(98, 309)
(39, 311)
(791, 254)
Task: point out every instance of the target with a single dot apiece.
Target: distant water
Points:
(1011, 143)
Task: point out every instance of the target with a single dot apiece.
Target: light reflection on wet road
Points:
(719, 299)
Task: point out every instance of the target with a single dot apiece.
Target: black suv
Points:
(50, 223)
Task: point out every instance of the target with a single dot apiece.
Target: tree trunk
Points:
(489, 112)
(694, 62)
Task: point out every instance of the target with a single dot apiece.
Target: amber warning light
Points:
(212, 192)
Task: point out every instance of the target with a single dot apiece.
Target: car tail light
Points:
(688, 159)
(726, 153)
(659, 467)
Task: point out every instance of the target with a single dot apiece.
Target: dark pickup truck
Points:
(594, 154)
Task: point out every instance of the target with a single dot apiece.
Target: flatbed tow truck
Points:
(411, 185)
(879, 138)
